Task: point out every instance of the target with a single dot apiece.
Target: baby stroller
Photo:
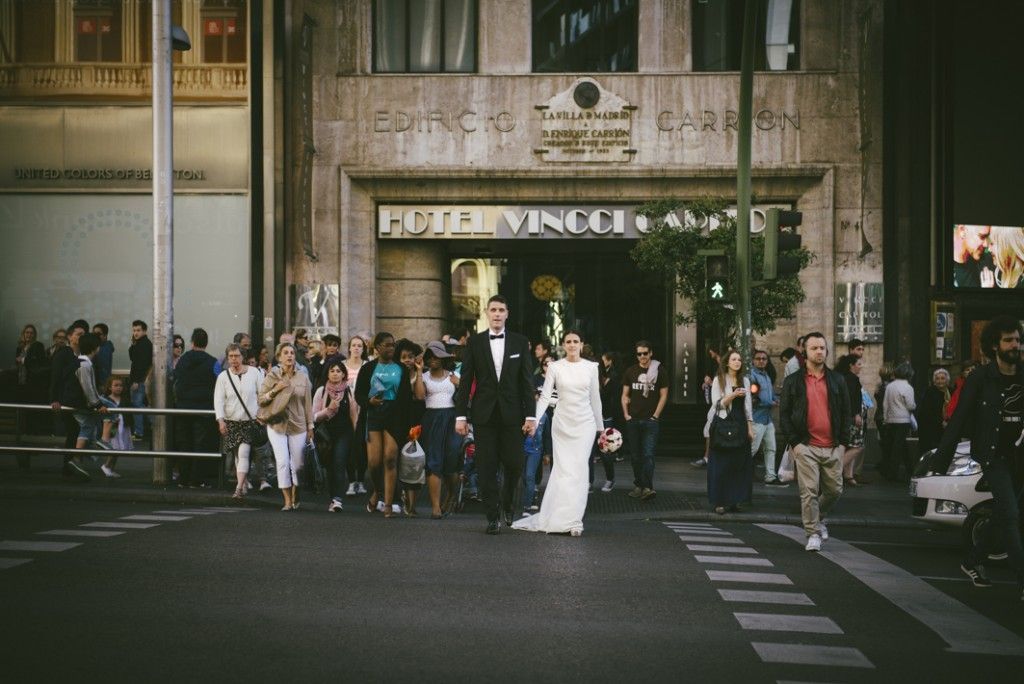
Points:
(467, 474)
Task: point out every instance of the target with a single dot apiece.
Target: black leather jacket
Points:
(977, 418)
(793, 407)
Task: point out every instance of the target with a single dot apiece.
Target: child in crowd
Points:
(116, 433)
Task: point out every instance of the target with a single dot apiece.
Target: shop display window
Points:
(424, 36)
(717, 35)
(98, 30)
(223, 31)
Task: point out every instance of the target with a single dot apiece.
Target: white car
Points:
(958, 497)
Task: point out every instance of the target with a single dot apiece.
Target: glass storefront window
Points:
(585, 35)
(424, 36)
(98, 30)
(224, 24)
(718, 35)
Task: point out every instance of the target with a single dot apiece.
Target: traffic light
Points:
(717, 282)
(777, 243)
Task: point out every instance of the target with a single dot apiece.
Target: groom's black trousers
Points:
(498, 444)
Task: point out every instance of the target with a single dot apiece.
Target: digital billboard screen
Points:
(988, 256)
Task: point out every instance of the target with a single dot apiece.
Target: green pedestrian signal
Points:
(716, 289)
(717, 283)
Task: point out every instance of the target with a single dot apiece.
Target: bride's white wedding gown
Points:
(574, 429)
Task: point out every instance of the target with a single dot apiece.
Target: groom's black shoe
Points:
(508, 516)
(493, 527)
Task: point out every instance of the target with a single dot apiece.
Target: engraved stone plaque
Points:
(586, 123)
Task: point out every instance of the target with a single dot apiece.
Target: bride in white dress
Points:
(575, 426)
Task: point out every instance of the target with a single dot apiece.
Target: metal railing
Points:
(20, 449)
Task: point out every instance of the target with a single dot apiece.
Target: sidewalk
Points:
(681, 494)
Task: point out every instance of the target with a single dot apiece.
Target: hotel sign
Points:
(529, 222)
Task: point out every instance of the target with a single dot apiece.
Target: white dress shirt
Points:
(497, 351)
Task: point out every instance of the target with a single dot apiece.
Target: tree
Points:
(673, 251)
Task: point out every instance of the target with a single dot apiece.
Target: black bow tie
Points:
(498, 337)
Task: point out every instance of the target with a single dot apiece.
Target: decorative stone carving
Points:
(586, 123)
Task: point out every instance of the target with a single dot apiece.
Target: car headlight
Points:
(964, 465)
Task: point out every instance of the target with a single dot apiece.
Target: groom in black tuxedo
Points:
(502, 408)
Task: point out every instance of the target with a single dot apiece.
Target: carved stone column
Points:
(7, 32)
(64, 29)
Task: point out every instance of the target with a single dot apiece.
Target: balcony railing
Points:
(207, 81)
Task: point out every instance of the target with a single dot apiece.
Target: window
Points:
(424, 36)
(34, 31)
(98, 30)
(584, 35)
(224, 31)
(718, 35)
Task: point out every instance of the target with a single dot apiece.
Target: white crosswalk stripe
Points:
(772, 622)
(121, 525)
(788, 598)
(189, 512)
(82, 533)
(735, 560)
(720, 549)
(45, 546)
(709, 540)
(157, 518)
(228, 509)
(803, 654)
(6, 563)
(750, 577)
(709, 532)
(688, 524)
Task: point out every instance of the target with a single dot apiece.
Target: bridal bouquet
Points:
(609, 441)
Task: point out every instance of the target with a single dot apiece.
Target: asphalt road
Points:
(260, 595)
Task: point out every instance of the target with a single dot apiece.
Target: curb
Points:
(766, 517)
(134, 495)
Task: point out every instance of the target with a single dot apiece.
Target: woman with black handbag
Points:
(730, 466)
(335, 414)
(235, 405)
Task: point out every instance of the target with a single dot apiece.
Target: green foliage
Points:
(672, 251)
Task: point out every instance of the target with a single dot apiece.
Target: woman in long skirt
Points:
(731, 470)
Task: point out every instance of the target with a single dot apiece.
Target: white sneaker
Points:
(335, 506)
(351, 491)
(823, 531)
(264, 486)
(360, 488)
(109, 472)
(396, 508)
(608, 486)
(576, 532)
(380, 506)
(813, 543)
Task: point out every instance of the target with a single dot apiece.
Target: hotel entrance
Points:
(593, 288)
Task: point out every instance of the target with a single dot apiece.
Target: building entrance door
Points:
(600, 293)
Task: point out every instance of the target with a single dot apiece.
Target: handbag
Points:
(787, 469)
(277, 410)
(258, 435)
(726, 433)
(866, 400)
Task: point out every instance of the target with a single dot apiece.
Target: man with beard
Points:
(973, 266)
(990, 412)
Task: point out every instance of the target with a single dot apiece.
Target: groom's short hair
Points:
(645, 344)
(497, 298)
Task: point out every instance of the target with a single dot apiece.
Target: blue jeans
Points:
(1005, 526)
(532, 447)
(337, 462)
(138, 398)
(643, 435)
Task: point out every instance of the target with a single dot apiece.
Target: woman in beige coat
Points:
(292, 428)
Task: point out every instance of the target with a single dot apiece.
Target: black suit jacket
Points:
(512, 394)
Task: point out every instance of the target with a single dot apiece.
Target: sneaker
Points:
(700, 463)
(813, 543)
(776, 482)
(576, 532)
(823, 531)
(264, 486)
(396, 508)
(648, 494)
(534, 508)
(106, 446)
(977, 574)
(351, 491)
(73, 470)
(335, 506)
(109, 472)
(360, 488)
(380, 506)
(609, 485)
(636, 493)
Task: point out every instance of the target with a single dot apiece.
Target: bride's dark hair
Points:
(577, 333)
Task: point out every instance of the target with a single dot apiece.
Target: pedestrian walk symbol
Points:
(717, 291)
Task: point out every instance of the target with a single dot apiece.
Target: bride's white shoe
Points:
(576, 531)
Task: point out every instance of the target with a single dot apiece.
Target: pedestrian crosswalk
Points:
(714, 546)
(96, 530)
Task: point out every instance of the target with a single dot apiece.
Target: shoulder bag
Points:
(277, 410)
(257, 434)
(726, 433)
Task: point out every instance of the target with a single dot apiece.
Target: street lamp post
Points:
(743, 276)
(165, 36)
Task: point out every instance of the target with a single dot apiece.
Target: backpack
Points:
(71, 392)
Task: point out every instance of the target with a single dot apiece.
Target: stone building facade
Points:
(388, 143)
